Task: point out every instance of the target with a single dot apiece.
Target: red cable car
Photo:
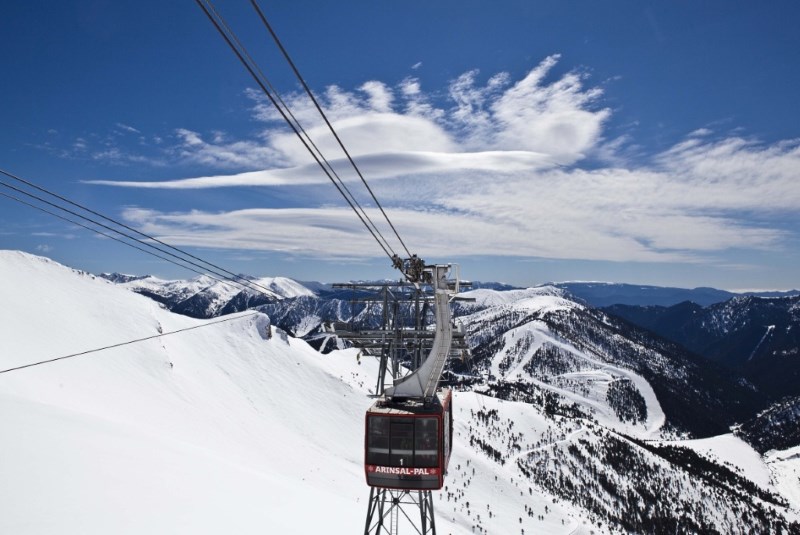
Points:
(408, 443)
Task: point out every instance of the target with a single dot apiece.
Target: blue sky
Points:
(627, 141)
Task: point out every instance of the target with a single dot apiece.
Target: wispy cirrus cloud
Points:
(119, 145)
(221, 153)
(495, 170)
(733, 173)
(128, 128)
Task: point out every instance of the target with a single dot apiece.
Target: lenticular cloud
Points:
(556, 121)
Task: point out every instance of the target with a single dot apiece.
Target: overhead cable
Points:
(325, 117)
(129, 342)
(105, 234)
(116, 231)
(220, 272)
(303, 134)
(229, 36)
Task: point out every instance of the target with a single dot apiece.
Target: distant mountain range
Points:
(603, 294)
(756, 336)
(597, 294)
(709, 366)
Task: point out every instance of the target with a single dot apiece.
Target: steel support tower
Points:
(402, 337)
(389, 508)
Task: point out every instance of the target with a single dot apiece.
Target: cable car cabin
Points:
(407, 444)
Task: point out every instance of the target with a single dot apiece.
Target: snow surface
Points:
(285, 287)
(235, 427)
(785, 468)
(183, 289)
(548, 297)
(597, 378)
(220, 429)
(733, 452)
(593, 381)
(210, 431)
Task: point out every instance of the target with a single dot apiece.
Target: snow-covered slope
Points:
(531, 297)
(530, 352)
(612, 368)
(234, 427)
(221, 429)
(214, 430)
(284, 287)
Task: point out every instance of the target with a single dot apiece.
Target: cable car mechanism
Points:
(408, 431)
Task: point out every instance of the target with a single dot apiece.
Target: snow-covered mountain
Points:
(740, 329)
(229, 425)
(756, 336)
(207, 297)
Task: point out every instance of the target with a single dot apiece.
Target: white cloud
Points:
(495, 173)
(328, 233)
(417, 103)
(556, 119)
(701, 132)
(553, 122)
(113, 148)
(471, 115)
(616, 214)
(733, 174)
(117, 156)
(397, 133)
(380, 97)
(388, 165)
(128, 128)
(219, 153)
(291, 231)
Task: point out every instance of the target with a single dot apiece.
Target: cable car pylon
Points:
(409, 428)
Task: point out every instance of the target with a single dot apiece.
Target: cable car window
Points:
(378, 440)
(402, 442)
(425, 442)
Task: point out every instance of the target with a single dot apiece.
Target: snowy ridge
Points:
(527, 353)
(284, 288)
(536, 297)
(176, 289)
(733, 452)
(206, 297)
